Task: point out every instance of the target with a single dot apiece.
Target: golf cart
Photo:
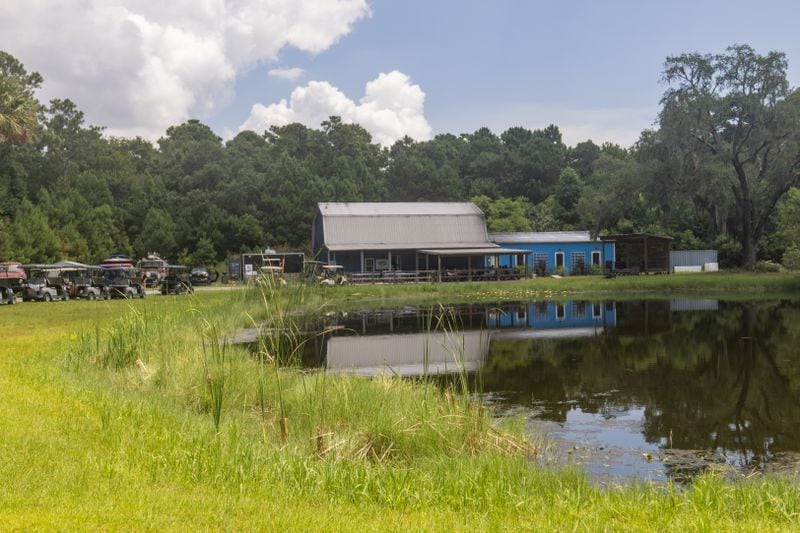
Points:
(12, 277)
(177, 280)
(44, 283)
(86, 281)
(332, 275)
(123, 282)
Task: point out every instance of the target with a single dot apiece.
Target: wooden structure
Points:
(640, 253)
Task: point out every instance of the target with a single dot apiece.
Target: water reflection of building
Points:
(408, 354)
(571, 318)
(390, 341)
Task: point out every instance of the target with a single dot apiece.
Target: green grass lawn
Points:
(132, 415)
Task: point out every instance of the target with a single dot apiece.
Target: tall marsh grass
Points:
(161, 405)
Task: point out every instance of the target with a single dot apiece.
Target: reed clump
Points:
(129, 431)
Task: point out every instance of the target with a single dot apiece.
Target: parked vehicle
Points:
(201, 276)
(117, 260)
(44, 283)
(178, 281)
(12, 278)
(124, 282)
(153, 269)
(86, 281)
(332, 275)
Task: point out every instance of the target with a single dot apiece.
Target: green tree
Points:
(788, 228)
(735, 111)
(532, 162)
(33, 238)
(505, 214)
(425, 171)
(191, 157)
(159, 233)
(204, 254)
(610, 191)
(18, 106)
(582, 156)
(567, 192)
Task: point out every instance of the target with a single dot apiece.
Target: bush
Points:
(791, 258)
(559, 271)
(767, 266)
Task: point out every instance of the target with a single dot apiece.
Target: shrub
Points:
(767, 266)
(791, 258)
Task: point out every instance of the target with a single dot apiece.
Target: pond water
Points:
(654, 390)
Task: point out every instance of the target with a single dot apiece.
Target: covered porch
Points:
(475, 264)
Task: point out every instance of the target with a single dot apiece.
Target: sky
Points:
(397, 67)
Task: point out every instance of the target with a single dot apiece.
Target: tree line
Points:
(717, 171)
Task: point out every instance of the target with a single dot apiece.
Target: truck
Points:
(153, 269)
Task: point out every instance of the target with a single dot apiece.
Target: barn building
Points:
(445, 239)
(573, 251)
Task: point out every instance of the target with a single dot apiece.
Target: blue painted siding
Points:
(351, 261)
(549, 250)
(555, 315)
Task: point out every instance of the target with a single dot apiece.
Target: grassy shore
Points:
(137, 415)
(721, 285)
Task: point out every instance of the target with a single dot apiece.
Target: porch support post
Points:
(602, 257)
(646, 266)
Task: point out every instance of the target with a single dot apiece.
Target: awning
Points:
(473, 251)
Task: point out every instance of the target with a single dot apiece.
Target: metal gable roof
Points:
(402, 225)
(353, 209)
(541, 237)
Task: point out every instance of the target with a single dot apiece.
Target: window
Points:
(540, 264)
(579, 309)
(540, 311)
(369, 264)
(578, 262)
(596, 257)
(559, 259)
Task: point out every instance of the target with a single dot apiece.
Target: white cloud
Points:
(391, 108)
(286, 73)
(139, 66)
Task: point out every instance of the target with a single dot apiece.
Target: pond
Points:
(651, 389)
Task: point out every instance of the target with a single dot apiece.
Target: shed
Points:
(573, 251)
(640, 253)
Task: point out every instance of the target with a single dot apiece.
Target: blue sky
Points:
(407, 67)
(592, 66)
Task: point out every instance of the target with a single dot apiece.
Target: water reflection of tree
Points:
(726, 379)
